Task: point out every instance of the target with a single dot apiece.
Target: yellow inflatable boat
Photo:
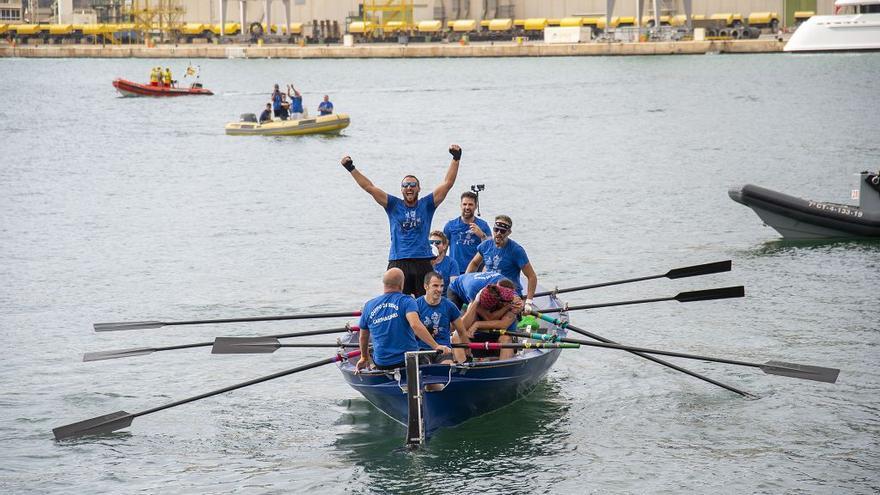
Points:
(325, 124)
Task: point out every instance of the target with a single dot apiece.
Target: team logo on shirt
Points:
(410, 220)
(493, 263)
(432, 323)
(467, 238)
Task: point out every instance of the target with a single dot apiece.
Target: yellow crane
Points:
(162, 17)
(390, 16)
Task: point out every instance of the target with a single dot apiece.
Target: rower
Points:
(465, 288)
(409, 220)
(505, 256)
(443, 264)
(392, 322)
(496, 307)
(439, 316)
(466, 231)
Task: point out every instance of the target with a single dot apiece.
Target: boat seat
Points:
(248, 117)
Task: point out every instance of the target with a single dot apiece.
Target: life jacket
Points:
(154, 76)
(167, 77)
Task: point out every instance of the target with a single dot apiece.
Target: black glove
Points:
(456, 153)
(348, 164)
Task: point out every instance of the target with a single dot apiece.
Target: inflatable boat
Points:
(128, 88)
(326, 124)
(797, 218)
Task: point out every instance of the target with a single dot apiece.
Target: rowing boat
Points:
(450, 395)
(129, 88)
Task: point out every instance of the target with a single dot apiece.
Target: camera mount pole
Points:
(476, 188)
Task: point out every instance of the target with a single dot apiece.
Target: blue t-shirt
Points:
(438, 320)
(463, 243)
(296, 104)
(447, 268)
(507, 261)
(385, 318)
(326, 108)
(410, 227)
(276, 101)
(467, 285)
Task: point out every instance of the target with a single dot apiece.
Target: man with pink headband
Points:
(496, 306)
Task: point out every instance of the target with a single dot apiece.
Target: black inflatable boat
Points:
(797, 218)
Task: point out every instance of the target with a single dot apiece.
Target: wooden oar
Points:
(792, 370)
(142, 351)
(697, 295)
(687, 271)
(121, 419)
(138, 325)
(268, 345)
(565, 324)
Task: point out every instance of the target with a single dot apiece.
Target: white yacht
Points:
(855, 26)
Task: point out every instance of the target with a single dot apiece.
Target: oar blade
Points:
(710, 294)
(95, 426)
(245, 345)
(803, 371)
(127, 325)
(697, 270)
(121, 353)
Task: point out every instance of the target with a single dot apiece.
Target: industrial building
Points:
(343, 12)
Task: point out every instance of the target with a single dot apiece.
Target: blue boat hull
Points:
(466, 391)
(470, 390)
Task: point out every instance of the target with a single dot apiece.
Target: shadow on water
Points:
(783, 246)
(490, 451)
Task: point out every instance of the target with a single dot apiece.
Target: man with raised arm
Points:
(392, 322)
(409, 220)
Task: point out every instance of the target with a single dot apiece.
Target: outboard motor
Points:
(869, 192)
(196, 85)
(248, 117)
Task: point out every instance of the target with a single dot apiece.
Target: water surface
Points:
(118, 209)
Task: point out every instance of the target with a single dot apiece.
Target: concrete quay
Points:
(377, 50)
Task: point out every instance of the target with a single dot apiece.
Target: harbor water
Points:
(119, 209)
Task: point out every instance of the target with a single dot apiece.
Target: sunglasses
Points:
(500, 230)
(436, 243)
(409, 184)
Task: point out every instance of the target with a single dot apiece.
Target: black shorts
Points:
(414, 271)
(480, 337)
(390, 366)
(435, 358)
